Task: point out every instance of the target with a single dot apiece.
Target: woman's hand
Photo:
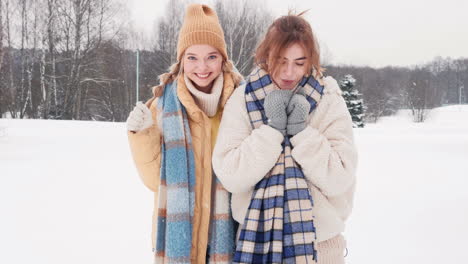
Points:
(140, 118)
(297, 111)
(275, 105)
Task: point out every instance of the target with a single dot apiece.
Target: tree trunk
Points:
(1, 35)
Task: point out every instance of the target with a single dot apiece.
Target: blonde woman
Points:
(172, 137)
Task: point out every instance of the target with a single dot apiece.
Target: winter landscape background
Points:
(69, 192)
(77, 60)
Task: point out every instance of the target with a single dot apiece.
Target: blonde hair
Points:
(177, 69)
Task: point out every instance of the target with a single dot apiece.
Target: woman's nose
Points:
(288, 70)
(202, 65)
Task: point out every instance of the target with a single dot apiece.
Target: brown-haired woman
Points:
(286, 152)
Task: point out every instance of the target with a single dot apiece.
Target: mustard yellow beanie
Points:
(201, 26)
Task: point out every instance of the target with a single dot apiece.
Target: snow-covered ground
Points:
(69, 193)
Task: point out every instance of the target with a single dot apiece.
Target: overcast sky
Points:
(366, 32)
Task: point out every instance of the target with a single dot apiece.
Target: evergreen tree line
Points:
(62, 59)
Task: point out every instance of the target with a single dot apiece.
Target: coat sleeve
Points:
(325, 149)
(145, 147)
(242, 156)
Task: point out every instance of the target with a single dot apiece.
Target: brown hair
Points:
(284, 32)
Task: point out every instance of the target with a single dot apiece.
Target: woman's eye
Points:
(191, 58)
(212, 57)
(300, 64)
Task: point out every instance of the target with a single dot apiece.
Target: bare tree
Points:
(75, 59)
(49, 64)
(83, 24)
(167, 29)
(244, 23)
(436, 67)
(24, 93)
(464, 81)
(3, 94)
(420, 93)
(379, 101)
(1, 35)
(460, 68)
(9, 90)
(449, 79)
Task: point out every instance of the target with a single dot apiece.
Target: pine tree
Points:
(353, 100)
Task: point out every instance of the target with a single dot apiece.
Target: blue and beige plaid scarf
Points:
(176, 192)
(279, 225)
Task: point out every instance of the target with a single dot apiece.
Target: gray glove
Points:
(275, 105)
(298, 111)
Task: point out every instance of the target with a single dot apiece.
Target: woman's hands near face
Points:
(275, 105)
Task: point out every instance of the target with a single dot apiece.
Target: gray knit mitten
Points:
(297, 111)
(275, 109)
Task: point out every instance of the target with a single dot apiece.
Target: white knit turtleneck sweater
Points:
(208, 103)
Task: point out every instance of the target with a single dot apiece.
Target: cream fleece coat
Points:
(325, 150)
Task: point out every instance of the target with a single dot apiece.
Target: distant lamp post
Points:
(137, 74)
(460, 94)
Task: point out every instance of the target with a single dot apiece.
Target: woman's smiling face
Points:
(202, 65)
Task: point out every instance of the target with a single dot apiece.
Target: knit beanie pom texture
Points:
(201, 26)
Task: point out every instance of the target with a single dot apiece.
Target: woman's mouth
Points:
(203, 76)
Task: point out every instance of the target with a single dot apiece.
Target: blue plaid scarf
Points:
(177, 194)
(279, 225)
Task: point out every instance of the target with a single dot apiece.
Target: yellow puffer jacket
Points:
(145, 147)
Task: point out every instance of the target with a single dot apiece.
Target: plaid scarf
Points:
(279, 225)
(177, 194)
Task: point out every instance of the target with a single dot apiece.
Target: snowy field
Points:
(69, 193)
